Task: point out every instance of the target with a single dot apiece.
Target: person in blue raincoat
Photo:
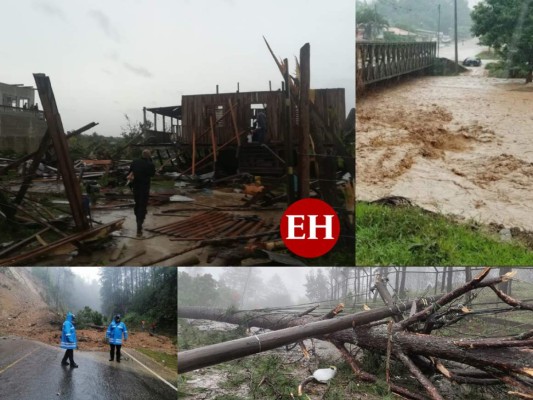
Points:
(114, 334)
(69, 340)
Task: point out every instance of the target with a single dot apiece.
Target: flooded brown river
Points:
(456, 145)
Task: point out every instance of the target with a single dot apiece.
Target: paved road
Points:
(31, 370)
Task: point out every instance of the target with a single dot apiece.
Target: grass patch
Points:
(501, 70)
(410, 236)
(265, 377)
(164, 359)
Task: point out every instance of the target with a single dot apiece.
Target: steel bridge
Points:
(377, 61)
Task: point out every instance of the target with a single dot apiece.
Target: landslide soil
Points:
(455, 145)
(24, 313)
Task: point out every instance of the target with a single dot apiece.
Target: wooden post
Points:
(234, 121)
(37, 157)
(155, 121)
(288, 136)
(213, 139)
(193, 151)
(57, 133)
(304, 142)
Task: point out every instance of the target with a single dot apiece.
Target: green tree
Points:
(140, 293)
(415, 14)
(507, 26)
(276, 293)
(372, 22)
(88, 316)
(203, 290)
(316, 286)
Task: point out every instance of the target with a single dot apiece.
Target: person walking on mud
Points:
(114, 334)
(140, 173)
(69, 340)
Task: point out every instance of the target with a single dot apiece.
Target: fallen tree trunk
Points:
(507, 360)
(190, 360)
(492, 359)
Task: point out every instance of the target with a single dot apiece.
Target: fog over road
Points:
(31, 370)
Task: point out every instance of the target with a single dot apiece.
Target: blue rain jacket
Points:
(68, 334)
(115, 332)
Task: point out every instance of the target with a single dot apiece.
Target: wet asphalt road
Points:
(31, 370)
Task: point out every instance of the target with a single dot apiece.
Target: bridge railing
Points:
(376, 61)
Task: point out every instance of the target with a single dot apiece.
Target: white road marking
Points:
(20, 359)
(168, 383)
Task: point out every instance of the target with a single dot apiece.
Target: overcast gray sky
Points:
(110, 58)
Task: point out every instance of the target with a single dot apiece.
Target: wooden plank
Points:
(213, 139)
(57, 133)
(193, 151)
(234, 122)
(304, 142)
(24, 259)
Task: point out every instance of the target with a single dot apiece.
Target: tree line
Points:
(140, 293)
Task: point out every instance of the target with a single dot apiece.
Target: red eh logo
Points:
(310, 228)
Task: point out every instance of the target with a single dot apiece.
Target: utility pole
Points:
(455, 29)
(438, 32)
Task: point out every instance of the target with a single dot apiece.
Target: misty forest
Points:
(137, 293)
(432, 332)
(413, 14)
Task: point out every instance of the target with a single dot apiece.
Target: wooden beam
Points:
(234, 122)
(57, 133)
(213, 139)
(193, 151)
(24, 259)
(288, 136)
(28, 177)
(304, 142)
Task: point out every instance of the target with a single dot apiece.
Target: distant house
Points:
(398, 31)
(22, 125)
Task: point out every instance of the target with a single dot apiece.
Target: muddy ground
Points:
(23, 313)
(124, 243)
(458, 145)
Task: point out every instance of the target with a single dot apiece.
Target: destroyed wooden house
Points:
(212, 131)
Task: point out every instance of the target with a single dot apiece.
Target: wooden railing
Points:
(376, 61)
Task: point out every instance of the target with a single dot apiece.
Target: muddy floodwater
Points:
(455, 145)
